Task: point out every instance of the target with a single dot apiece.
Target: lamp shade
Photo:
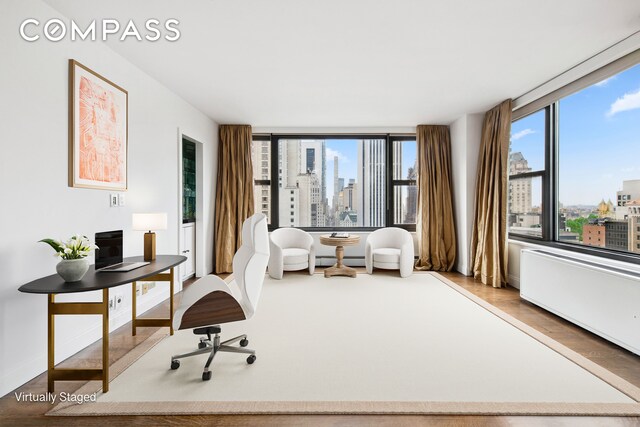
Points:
(149, 221)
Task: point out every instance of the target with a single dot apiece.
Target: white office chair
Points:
(389, 248)
(291, 249)
(211, 301)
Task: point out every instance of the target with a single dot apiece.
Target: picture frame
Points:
(98, 130)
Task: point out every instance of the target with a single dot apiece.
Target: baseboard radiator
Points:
(604, 300)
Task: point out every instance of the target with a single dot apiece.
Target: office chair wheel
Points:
(206, 376)
(202, 344)
(251, 359)
(175, 364)
(244, 342)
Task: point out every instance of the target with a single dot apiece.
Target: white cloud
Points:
(516, 136)
(331, 153)
(605, 81)
(629, 101)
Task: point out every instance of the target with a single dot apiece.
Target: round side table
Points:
(339, 269)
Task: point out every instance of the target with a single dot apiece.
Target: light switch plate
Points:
(113, 199)
(121, 199)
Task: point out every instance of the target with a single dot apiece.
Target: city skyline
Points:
(306, 182)
(347, 149)
(599, 140)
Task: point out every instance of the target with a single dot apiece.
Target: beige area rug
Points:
(375, 344)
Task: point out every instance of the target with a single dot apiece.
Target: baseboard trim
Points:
(514, 281)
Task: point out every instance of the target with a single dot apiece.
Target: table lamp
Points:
(149, 222)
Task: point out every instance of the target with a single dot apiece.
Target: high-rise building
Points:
(261, 161)
(630, 191)
(519, 193)
(371, 177)
(336, 185)
(411, 205)
(302, 188)
(633, 208)
(616, 234)
(310, 209)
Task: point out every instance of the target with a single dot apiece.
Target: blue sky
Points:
(346, 150)
(599, 140)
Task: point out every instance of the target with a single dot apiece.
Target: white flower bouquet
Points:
(77, 247)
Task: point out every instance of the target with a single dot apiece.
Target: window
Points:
(338, 181)
(526, 175)
(404, 165)
(583, 182)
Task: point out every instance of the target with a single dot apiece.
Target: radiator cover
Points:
(604, 300)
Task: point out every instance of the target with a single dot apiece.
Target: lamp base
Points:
(149, 246)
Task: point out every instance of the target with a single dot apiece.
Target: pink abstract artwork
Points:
(102, 134)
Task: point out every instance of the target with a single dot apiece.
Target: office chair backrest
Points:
(251, 259)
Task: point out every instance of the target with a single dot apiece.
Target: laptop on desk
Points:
(109, 253)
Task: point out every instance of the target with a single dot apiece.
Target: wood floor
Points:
(610, 356)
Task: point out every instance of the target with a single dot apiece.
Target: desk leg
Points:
(51, 329)
(171, 302)
(105, 340)
(145, 321)
(133, 308)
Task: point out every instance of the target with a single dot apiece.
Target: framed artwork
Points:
(98, 130)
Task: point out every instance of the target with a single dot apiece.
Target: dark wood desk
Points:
(93, 281)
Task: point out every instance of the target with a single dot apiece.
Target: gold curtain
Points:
(234, 192)
(489, 238)
(436, 229)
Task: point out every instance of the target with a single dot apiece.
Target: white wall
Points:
(465, 145)
(37, 203)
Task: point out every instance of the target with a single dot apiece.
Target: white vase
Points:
(72, 270)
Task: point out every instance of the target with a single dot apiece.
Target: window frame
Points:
(550, 208)
(274, 181)
(393, 183)
(548, 222)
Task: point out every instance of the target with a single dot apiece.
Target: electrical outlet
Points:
(113, 199)
(121, 199)
(112, 303)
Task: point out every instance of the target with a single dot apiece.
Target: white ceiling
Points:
(331, 63)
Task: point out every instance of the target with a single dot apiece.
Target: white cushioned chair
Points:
(211, 301)
(291, 249)
(389, 248)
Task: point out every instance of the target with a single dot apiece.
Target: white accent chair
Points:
(212, 301)
(389, 248)
(291, 249)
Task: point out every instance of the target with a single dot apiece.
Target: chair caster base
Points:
(206, 376)
(251, 359)
(175, 364)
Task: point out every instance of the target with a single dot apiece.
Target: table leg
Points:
(133, 308)
(154, 322)
(339, 256)
(51, 329)
(73, 374)
(171, 302)
(339, 269)
(105, 340)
